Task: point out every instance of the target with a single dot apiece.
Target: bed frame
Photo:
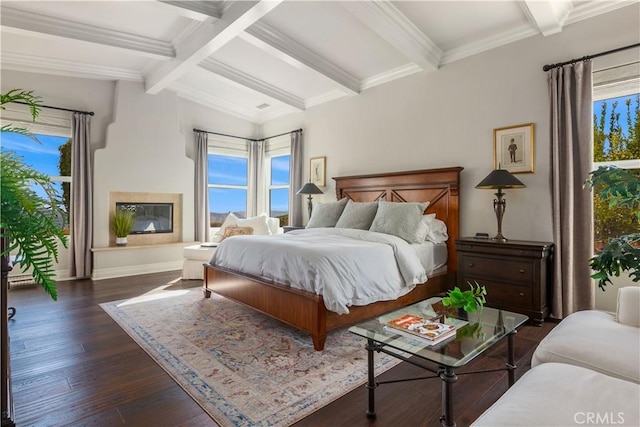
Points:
(306, 310)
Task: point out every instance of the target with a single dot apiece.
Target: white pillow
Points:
(230, 221)
(431, 229)
(259, 224)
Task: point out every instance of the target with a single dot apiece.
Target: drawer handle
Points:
(470, 264)
(522, 270)
(521, 294)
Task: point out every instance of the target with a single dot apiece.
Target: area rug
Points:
(242, 367)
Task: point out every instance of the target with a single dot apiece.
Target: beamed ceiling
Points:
(259, 60)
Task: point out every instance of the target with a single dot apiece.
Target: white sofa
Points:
(585, 372)
(197, 255)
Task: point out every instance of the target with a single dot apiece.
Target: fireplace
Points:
(158, 217)
(149, 217)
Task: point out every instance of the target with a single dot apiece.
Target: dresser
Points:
(517, 274)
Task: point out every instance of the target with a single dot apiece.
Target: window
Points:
(616, 133)
(227, 183)
(51, 156)
(279, 188)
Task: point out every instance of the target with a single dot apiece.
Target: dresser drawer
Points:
(499, 250)
(503, 294)
(507, 269)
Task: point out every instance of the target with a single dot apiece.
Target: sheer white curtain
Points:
(571, 136)
(295, 178)
(81, 209)
(200, 188)
(255, 182)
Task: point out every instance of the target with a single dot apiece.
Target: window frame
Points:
(214, 150)
(276, 147)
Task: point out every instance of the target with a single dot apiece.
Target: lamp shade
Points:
(500, 178)
(309, 188)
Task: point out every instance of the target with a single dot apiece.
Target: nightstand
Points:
(288, 228)
(517, 274)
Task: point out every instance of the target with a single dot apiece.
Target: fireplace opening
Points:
(150, 217)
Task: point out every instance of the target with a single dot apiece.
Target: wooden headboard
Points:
(440, 187)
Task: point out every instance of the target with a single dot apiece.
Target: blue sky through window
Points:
(621, 109)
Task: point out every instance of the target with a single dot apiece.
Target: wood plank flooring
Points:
(73, 365)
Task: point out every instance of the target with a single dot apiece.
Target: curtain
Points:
(571, 136)
(201, 213)
(256, 151)
(81, 209)
(295, 179)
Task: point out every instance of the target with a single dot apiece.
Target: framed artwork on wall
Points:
(317, 171)
(513, 148)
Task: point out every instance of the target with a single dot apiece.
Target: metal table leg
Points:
(448, 377)
(511, 365)
(371, 380)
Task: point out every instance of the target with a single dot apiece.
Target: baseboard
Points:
(134, 270)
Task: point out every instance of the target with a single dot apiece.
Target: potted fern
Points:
(121, 225)
(470, 300)
(29, 223)
(618, 188)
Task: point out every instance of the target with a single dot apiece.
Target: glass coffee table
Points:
(475, 333)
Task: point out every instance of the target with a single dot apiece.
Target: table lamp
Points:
(499, 179)
(309, 188)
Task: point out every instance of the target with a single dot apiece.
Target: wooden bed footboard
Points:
(305, 310)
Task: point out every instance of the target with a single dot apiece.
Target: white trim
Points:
(109, 273)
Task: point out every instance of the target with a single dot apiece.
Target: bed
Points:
(306, 310)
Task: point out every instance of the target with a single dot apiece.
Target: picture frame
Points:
(318, 170)
(513, 148)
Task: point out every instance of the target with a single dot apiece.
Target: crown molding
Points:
(64, 67)
(19, 20)
(248, 81)
(324, 98)
(391, 75)
(596, 8)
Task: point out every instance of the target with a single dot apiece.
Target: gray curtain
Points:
(256, 151)
(295, 179)
(201, 192)
(570, 91)
(81, 209)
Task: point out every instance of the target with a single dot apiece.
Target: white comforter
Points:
(347, 267)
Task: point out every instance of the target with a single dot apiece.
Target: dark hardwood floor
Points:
(73, 365)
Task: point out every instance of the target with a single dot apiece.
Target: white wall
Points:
(447, 117)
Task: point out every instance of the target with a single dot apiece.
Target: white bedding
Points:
(431, 255)
(346, 266)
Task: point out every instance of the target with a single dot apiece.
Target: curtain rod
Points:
(242, 137)
(57, 108)
(587, 57)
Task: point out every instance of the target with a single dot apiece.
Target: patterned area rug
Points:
(242, 367)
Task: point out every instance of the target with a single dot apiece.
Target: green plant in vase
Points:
(121, 225)
(469, 300)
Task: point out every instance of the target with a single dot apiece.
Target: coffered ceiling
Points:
(263, 59)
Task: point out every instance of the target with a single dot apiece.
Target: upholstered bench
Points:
(194, 258)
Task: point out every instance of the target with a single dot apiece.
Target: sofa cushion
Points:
(557, 394)
(594, 340)
(628, 311)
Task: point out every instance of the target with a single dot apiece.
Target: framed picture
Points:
(317, 171)
(513, 148)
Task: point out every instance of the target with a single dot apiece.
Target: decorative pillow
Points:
(423, 228)
(327, 214)
(398, 219)
(236, 231)
(259, 224)
(357, 215)
(230, 221)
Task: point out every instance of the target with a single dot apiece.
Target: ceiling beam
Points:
(209, 37)
(247, 81)
(548, 16)
(384, 19)
(196, 10)
(272, 41)
(47, 26)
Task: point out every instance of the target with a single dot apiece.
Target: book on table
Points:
(425, 330)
